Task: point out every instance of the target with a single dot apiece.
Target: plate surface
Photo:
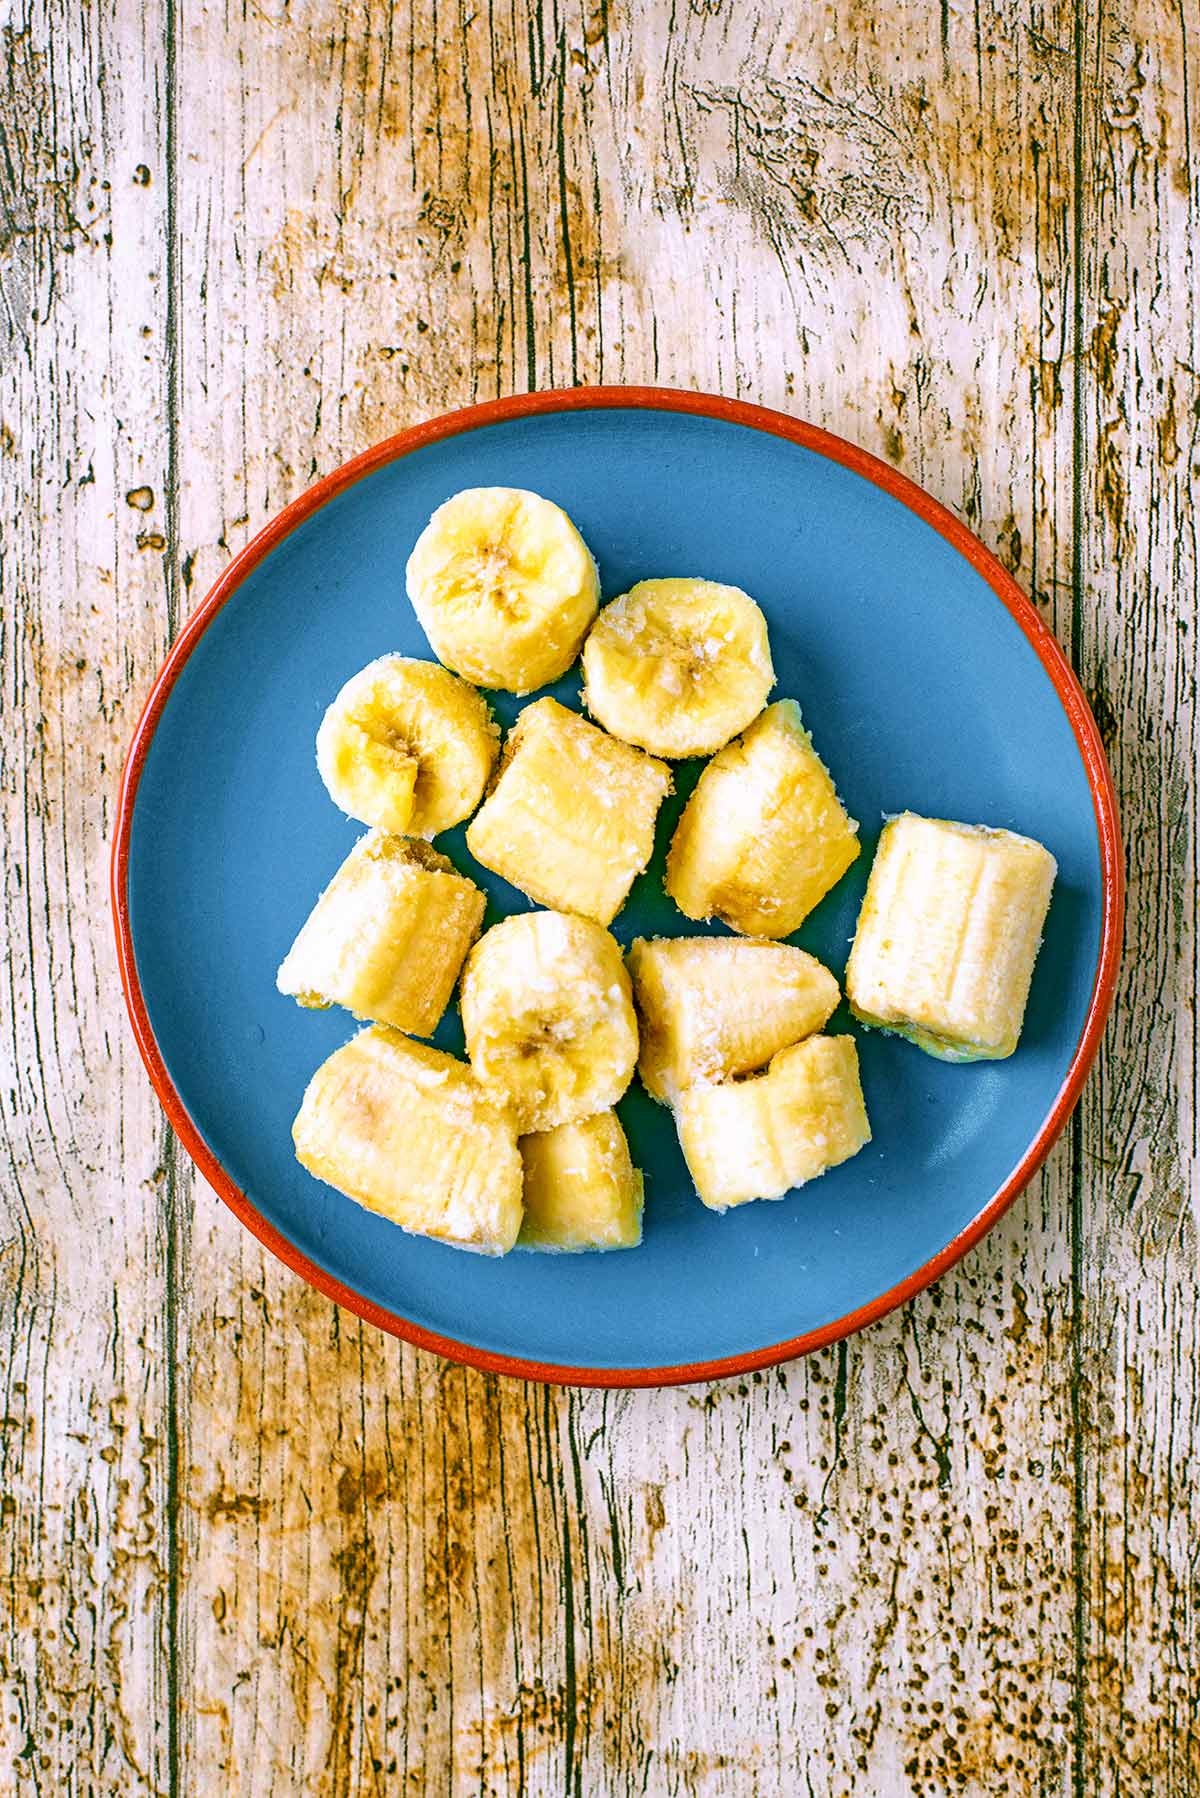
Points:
(928, 683)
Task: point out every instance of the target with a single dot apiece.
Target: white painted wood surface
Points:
(250, 1546)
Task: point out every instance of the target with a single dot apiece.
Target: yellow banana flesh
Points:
(407, 746)
(504, 587)
(570, 817)
(582, 1191)
(764, 836)
(948, 935)
(548, 1018)
(409, 1132)
(678, 666)
(713, 1007)
(760, 1137)
(388, 936)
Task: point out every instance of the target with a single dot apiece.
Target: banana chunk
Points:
(409, 1132)
(759, 1138)
(949, 930)
(504, 587)
(678, 666)
(710, 1007)
(548, 1018)
(763, 836)
(570, 818)
(407, 746)
(582, 1191)
(388, 936)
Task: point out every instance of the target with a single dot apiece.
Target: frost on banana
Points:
(582, 1191)
(548, 1018)
(570, 818)
(948, 934)
(711, 1007)
(409, 1132)
(763, 836)
(504, 587)
(678, 666)
(758, 1138)
(388, 936)
(407, 746)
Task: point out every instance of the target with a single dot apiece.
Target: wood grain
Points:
(1137, 1192)
(569, 1580)
(84, 1542)
(955, 1555)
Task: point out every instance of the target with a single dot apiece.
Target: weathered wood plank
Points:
(84, 1684)
(1139, 592)
(853, 1574)
(955, 1555)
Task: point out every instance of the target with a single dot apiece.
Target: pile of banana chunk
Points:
(520, 1144)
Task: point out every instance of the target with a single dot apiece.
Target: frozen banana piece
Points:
(570, 818)
(504, 587)
(758, 1138)
(388, 936)
(409, 1132)
(407, 746)
(948, 934)
(582, 1191)
(678, 666)
(763, 836)
(548, 1018)
(710, 1007)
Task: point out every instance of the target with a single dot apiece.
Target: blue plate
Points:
(928, 683)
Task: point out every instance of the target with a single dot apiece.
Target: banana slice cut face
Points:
(548, 1018)
(407, 746)
(504, 587)
(678, 667)
(582, 1191)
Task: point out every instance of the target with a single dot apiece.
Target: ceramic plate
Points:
(928, 682)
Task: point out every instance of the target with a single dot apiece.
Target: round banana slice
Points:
(548, 1018)
(504, 587)
(407, 746)
(678, 666)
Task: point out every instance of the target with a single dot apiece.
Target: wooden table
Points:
(250, 1546)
